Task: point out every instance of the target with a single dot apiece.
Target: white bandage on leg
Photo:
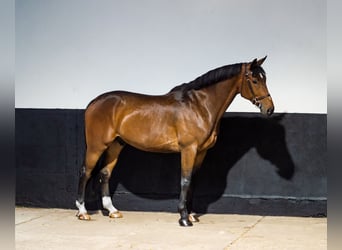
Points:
(81, 207)
(107, 204)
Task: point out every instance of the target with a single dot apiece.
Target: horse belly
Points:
(149, 133)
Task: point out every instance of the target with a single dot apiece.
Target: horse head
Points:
(253, 86)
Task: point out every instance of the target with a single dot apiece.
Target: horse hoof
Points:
(83, 216)
(185, 223)
(193, 218)
(115, 215)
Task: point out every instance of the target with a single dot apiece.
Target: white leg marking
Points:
(81, 208)
(107, 204)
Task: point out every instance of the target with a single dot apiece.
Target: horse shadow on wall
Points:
(157, 176)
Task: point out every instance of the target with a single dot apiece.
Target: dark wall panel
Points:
(258, 166)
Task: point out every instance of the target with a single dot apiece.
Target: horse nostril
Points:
(270, 111)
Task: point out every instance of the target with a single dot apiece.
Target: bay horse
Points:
(185, 120)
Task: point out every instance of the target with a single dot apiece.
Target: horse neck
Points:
(221, 95)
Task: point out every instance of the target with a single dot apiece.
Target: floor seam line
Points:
(248, 229)
(23, 222)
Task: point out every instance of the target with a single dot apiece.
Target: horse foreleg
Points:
(189, 203)
(187, 163)
(111, 159)
(182, 208)
(198, 162)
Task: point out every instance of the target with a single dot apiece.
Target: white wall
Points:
(69, 51)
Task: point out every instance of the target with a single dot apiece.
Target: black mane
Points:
(210, 78)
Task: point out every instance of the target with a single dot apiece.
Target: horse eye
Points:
(255, 81)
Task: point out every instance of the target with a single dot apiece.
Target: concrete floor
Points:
(37, 228)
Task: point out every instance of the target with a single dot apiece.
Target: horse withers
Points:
(184, 120)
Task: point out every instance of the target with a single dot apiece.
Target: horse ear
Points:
(254, 63)
(259, 62)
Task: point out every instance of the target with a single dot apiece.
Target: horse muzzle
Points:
(266, 106)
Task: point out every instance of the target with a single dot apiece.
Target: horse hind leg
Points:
(82, 213)
(112, 155)
(91, 159)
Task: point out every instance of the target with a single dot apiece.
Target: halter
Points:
(256, 99)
